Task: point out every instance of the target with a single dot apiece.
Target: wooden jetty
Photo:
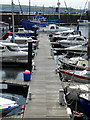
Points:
(43, 94)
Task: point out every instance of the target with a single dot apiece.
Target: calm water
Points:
(17, 73)
(11, 73)
(85, 30)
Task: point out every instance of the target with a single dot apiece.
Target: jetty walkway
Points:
(44, 86)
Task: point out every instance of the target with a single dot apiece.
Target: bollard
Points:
(35, 31)
(30, 56)
(61, 97)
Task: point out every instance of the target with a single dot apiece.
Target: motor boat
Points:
(82, 22)
(22, 32)
(11, 51)
(53, 28)
(64, 35)
(78, 62)
(8, 37)
(21, 41)
(72, 41)
(7, 105)
(77, 49)
(76, 75)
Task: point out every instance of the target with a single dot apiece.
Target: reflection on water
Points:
(11, 74)
(85, 30)
(15, 73)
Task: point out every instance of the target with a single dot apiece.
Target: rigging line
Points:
(76, 105)
(20, 8)
(84, 7)
(65, 4)
(67, 10)
(70, 103)
(88, 86)
(85, 4)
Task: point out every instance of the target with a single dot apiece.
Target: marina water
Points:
(17, 73)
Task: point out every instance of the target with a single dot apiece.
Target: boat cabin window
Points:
(1, 48)
(12, 48)
(52, 27)
(57, 27)
(21, 41)
(21, 30)
(80, 39)
(64, 34)
(71, 38)
(34, 41)
(76, 33)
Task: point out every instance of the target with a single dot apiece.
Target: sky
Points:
(78, 4)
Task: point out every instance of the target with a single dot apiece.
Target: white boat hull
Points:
(68, 75)
(7, 105)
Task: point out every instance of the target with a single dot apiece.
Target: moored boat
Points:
(78, 99)
(63, 35)
(12, 51)
(72, 41)
(7, 105)
(53, 28)
(22, 32)
(84, 99)
(38, 21)
(76, 75)
(83, 22)
(78, 62)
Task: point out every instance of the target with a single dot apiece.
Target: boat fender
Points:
(23, 107)
(22, 111)
(69, 111)
(77, 114)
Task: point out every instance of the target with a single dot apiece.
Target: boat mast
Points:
(58, 9)
(43, 10)
(29, 8)
(13, 19)
(88, 48)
